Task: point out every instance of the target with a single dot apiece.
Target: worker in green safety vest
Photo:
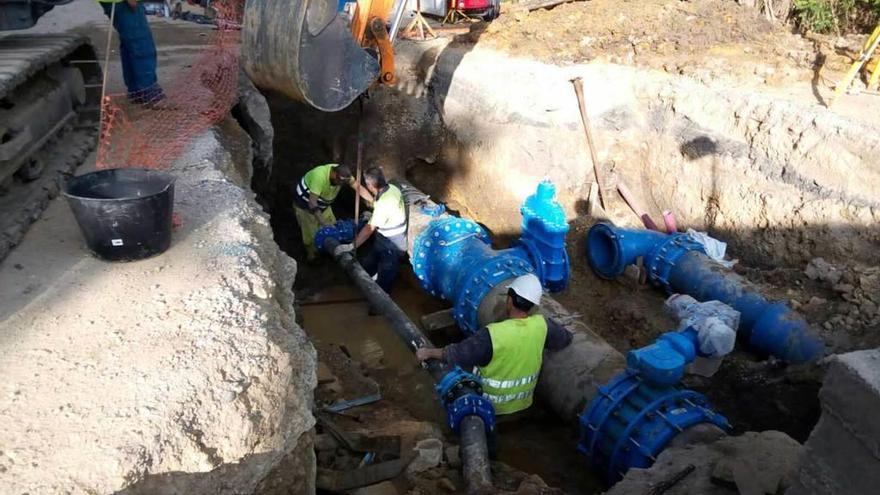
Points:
(508, 354)
(315, 192)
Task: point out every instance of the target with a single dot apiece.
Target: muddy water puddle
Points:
(338, 315)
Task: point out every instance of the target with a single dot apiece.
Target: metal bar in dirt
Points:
(579, 91)
(348, 404)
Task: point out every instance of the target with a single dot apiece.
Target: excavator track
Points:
(50, 91)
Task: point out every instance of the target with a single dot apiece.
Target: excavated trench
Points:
(336, 318)
(781, 183)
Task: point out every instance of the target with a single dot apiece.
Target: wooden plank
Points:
(436, 321)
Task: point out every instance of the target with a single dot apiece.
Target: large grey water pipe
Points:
(474, 448)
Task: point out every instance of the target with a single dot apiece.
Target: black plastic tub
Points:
(123, 213)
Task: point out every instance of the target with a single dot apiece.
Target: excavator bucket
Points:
(304, 50)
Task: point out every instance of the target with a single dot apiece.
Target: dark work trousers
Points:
(382, 258)
(137, 52)
(506, 423)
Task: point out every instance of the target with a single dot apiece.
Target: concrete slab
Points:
(852, 389)
(183, 373)
(842, 454)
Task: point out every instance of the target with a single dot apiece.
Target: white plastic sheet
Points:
(715, 249)
(714, 321)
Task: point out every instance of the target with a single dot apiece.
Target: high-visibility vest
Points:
(389, 213)
(317, 181)
(509, 380)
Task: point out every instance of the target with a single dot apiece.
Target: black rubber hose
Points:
(474, 448)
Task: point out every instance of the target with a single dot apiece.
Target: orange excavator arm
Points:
(368, 29)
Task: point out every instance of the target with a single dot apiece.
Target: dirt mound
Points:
(707, 39)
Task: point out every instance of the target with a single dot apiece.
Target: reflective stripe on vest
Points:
(303, 191)
(509, 380)
(510, 383)
(503, 399)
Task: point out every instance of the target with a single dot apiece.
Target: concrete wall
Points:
(842, 454)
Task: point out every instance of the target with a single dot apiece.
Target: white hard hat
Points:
(528, 287)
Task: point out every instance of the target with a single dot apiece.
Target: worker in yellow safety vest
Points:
(315, 193)
(508, 354)
(387, 227)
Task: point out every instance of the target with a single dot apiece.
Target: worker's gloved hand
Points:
(367, 215)
(343, 248)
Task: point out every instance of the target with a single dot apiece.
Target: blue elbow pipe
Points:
(677, 264)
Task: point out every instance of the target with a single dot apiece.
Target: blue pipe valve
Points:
(544, 228)
(663, 362)
(677, 264)
(635, 416)
(461, 393)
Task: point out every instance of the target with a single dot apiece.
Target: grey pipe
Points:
(570, 378)
(474, 448)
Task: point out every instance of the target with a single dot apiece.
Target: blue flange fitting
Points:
(460, 393)
(640, 411)
(631, 421)
(343, 231)
(677, 264)
(453, 259)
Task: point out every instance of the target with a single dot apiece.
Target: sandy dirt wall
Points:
(183, 373)
(782, 181)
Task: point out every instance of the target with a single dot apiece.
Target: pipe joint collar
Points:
(630, 422)
(504, 265)
(663, 258)
(343, 231)
(461, 393)
(440, 242)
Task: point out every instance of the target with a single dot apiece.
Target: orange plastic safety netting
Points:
(197, 97)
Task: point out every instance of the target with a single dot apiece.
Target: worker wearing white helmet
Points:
(508, 354)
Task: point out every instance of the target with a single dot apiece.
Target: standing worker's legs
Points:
(309, 226)
(137, 52)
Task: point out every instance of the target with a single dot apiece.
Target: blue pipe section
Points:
(677, 264)
(637, 414)
(453, 259)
